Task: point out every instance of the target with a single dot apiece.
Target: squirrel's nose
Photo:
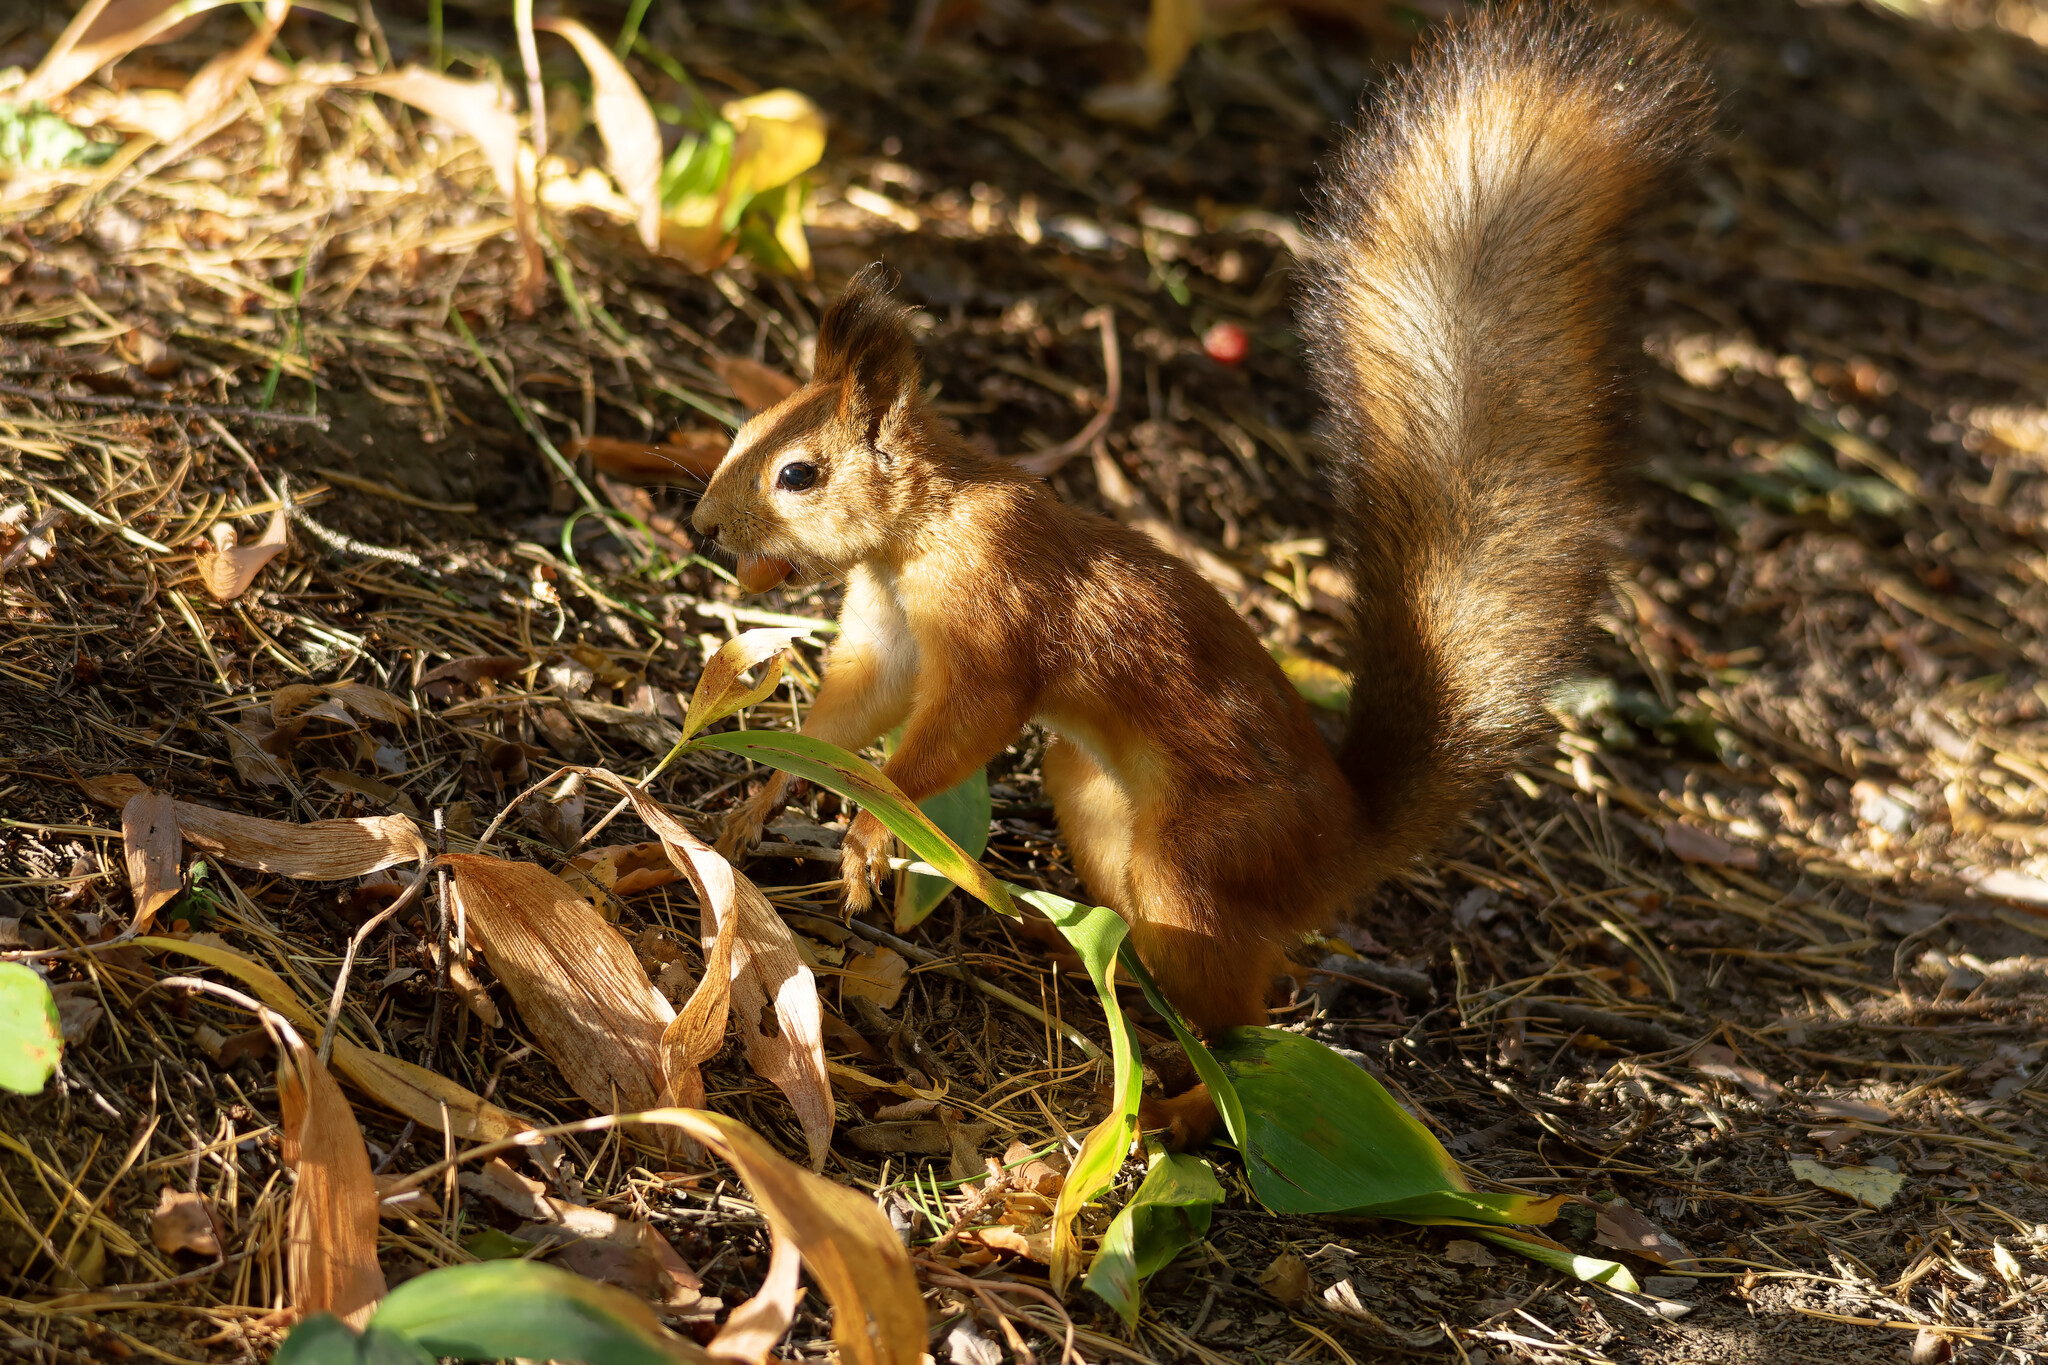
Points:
(706, 528)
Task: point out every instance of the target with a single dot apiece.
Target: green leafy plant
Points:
(31, 1040)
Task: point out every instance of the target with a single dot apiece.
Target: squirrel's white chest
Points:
(872, 619)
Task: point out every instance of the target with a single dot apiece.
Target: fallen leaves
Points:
(320, 851)
(581, 991)
(227, 567)
(183, 1221)
(1873, 1187)
(1624, 1229)
(151, 846)
(752, 973)
(473, 109)
(331, 1242)
(691, 455)
(632, 139)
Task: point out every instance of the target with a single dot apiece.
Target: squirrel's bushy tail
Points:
(1466, 300)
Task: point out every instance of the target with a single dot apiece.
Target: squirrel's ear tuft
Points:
(865, 344)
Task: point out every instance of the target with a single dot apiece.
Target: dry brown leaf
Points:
(425, 1096)
(1286, 1279)
(214, 86)
(1695, 845)
(115, 789)
(183, 1222)
(101, 33)
(666, 1276)
(632, 139)
(371, 703)
(750, 960)
(1624, 1229)
(757, 386)
(331, 1242)
(694, 457)
(1851, 1109)
(472, 108)
(580, 989)
(320, 851)
(1031, 1242)
(152, 846)
(1711, 1059)
(227, 567)
(248, 748)
(853, 1254)
(876, 976)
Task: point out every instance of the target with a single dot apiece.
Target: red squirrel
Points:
(1466, 285)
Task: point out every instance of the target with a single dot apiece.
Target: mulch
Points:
(1776, 890)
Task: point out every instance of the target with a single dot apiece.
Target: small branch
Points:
(1044, 462)
(308, 419)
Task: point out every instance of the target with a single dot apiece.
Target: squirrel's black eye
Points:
(796, 476)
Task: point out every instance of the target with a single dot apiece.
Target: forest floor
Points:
(1776, 893)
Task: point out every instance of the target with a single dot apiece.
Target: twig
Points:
(335, 540)
(308, 419)
(1044, 462)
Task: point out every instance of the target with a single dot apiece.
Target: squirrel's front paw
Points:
(863, 861)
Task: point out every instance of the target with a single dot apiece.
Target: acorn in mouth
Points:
(758, 573)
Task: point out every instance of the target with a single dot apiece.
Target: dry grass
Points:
(1828, 668)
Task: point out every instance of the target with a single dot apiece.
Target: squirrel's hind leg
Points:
(1095, 818)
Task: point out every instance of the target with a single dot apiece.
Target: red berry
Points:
(1226, 343)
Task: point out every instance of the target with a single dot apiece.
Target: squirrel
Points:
(1466, 285)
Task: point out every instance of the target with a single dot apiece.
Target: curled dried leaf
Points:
(632, 139)
(756, 385)
(752, 970)
(331, 1242)
(227, 567)
(182, 1221)
(722, 689)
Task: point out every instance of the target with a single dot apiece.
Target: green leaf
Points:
(962, 814)
(1222, 1093)
(862, 782)
(1558, 1256)
(497, 1309)
(324, 1339)
(31, 1039)
(697, 166)
(1169, 1211)
(1096, 933)
(34, 139)
(493, 1245)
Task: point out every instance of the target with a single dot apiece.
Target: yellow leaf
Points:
(1872, 1186)
(778, 135)
(720, 688)
(422, 1095)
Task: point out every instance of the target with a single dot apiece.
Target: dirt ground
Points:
(1777, 891)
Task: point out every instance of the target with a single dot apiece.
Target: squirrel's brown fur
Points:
(1467, 285)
